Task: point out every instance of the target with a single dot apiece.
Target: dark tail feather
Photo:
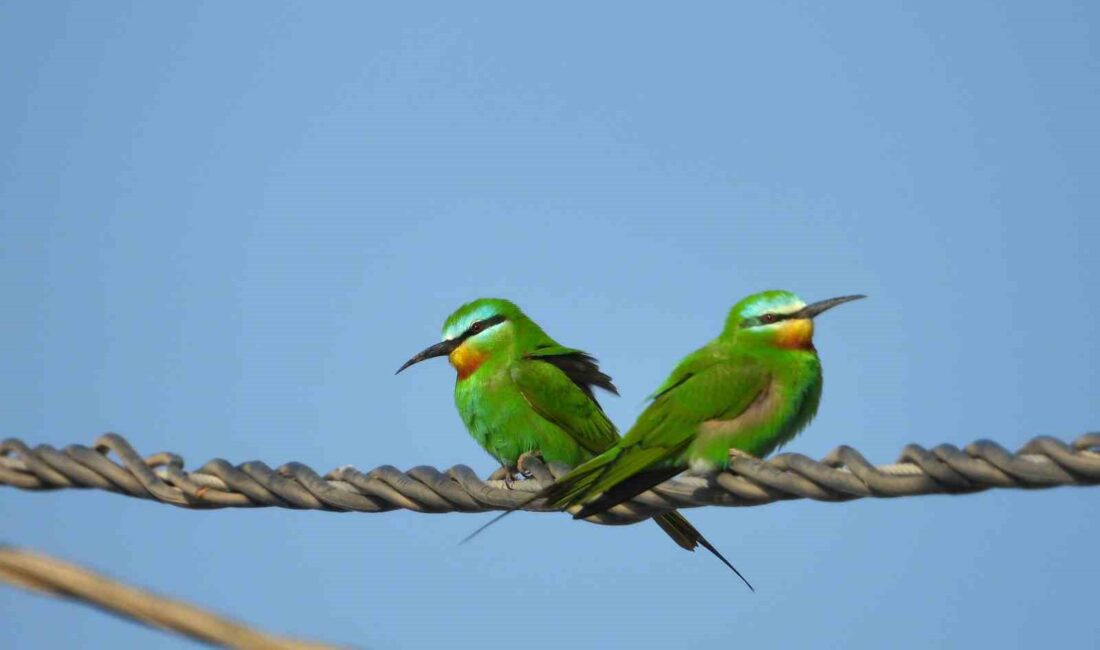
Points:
(672, 523)
(557, 494)
(627, 489)
(481, 529)
(678, 528)
(687, 536)
(710, 547)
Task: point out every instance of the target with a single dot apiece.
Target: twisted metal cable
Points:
(843, 475)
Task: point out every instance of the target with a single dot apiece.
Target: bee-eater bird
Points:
(518, 391)
(752, 389)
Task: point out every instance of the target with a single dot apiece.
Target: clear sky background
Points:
(224, 225)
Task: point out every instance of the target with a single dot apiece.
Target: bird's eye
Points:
(769, 318)
(477, 327)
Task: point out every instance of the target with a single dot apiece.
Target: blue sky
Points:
(224, 225)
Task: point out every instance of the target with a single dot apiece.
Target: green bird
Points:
(518, 391)
(753, 389)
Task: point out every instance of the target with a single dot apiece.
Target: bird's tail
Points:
(687, 536)
(560, 494)
(679, 529)
(597, 484)
(572, 488)
(587, 480)
(614, 476)
(582, 482)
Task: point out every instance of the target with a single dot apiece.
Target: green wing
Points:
(557, 398)
(557, 383)
(578, 365)
(708, 385)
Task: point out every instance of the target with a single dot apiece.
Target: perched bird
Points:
(518, 391)
(752, 389)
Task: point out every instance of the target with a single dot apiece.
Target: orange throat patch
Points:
(466, 360)
(796, 334)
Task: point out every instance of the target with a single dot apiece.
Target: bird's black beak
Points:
(441, 349)
(809, 311)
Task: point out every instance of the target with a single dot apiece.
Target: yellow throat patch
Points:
(466, 360)
(797, 334)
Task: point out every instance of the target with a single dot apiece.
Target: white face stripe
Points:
(456, 329)
(782, 307)
(491, 327)
(788, 309)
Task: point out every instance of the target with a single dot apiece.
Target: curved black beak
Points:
(809, 311)
(441, 349)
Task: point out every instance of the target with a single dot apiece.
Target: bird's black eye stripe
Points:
(481, 326)
(767, 319)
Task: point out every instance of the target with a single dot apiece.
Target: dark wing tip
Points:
(583, 370)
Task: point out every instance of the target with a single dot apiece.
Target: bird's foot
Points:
(737, 453)
(523, 462)
(506, 474)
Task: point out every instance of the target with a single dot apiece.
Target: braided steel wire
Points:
(843, 475)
